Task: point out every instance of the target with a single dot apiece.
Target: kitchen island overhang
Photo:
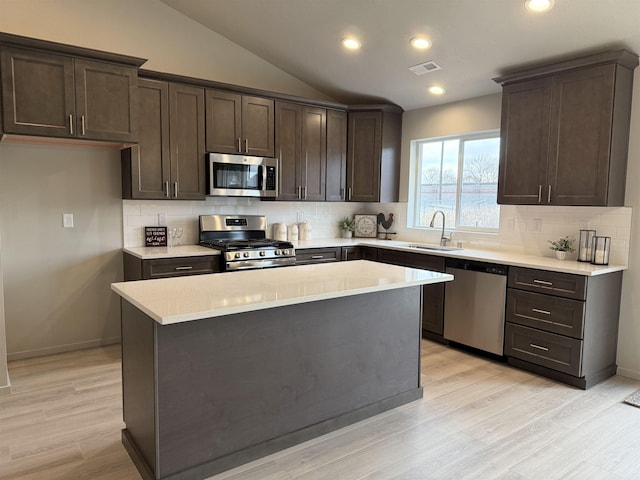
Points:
(307, 350)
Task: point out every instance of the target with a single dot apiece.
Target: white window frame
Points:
(415, 176)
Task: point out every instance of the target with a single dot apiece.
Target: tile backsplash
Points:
(523, 229)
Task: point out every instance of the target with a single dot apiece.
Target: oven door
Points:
(241, 176)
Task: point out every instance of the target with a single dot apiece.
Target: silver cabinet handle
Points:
(549, 195)
(175, 189)
(82, 123)
(166, 188)
(304, 197)
(544, 349)
(316, 257)
(544, 312)
(542, 282)
(539, 193)
(299, 189)
(246, 145)
(239, 145)
(342, 193)
(71, 123)
(349, 190)
(184, 268)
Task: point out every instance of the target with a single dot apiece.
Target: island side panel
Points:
(138, 386)
(230, 387)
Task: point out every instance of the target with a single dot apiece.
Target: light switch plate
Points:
(67, 220)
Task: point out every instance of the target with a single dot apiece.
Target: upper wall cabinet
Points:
(336, 185)
(240, 124)
(301, 150)
(565, 132)
(169, 160)
(66, 95)
(373, 153)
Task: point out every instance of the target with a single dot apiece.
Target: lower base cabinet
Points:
(138, 269)
(563, 326)
(432, 295)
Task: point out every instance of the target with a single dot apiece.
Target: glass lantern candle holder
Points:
(585, 245)
(601, 250)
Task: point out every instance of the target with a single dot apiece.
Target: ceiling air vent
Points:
(425, 67)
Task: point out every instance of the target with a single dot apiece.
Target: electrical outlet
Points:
(162, 219)
(67, 220)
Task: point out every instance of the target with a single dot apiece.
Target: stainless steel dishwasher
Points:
(474, 304)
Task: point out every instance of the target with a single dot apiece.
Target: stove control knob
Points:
(237, 255)
(285, 252)
(245, 254)
(262, 253)
(277, 252)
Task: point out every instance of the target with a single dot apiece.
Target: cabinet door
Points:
(148, 163)
(187, 142)
(224, 124)
(336, 156)
(363, 156)
(288, 150)
(524, 143)
(258, 126)
(314, 153)
(580, 144)
(37, 94)
(106, 101)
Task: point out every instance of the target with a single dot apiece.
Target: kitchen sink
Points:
(433, 247)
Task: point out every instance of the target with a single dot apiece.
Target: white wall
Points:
(4, 374)
(57, 280)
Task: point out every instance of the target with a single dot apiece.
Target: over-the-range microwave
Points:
(242, 176)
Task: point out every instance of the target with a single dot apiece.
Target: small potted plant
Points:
(347, 226)
(562, 247)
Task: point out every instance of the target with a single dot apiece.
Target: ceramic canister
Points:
(280, 231)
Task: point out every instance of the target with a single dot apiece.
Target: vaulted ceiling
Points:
(473, 40)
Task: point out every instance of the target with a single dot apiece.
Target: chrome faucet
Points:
(443, 239)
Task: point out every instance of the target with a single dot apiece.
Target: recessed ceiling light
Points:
(538, 5)
(420, 43)
(351, 43)
(436, 90)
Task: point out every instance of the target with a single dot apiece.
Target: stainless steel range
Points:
(243, 241)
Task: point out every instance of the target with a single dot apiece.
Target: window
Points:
(458, 175)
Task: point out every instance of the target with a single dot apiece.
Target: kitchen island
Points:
(222, 369)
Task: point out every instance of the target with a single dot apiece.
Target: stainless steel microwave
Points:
(242, 176)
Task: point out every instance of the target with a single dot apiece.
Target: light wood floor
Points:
(478, 420)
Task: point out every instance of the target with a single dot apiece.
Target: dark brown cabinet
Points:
(336, 184)
(138, 269)
(306, 256)
(565, 132)
(432, 295)
(240, 124)
(301, 148)
(169, 160)
(563, 326)
(50, 95)
(373, 154)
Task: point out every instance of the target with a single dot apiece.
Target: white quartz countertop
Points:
(182, 299)
(502, 257)
(149, 253)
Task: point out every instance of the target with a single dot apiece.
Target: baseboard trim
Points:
(5, 389)
(41, 352)
(625, 372)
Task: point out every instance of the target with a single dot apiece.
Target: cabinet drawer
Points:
(554, 283)
(546, 312)
(317, 255)
(553, 351)
(176, 267)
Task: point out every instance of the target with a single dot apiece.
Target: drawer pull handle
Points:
(184, 268)
(545, 349)
(542, 282)
(316, 257)
(537, 310)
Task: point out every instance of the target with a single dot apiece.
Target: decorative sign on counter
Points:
(155, 236)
